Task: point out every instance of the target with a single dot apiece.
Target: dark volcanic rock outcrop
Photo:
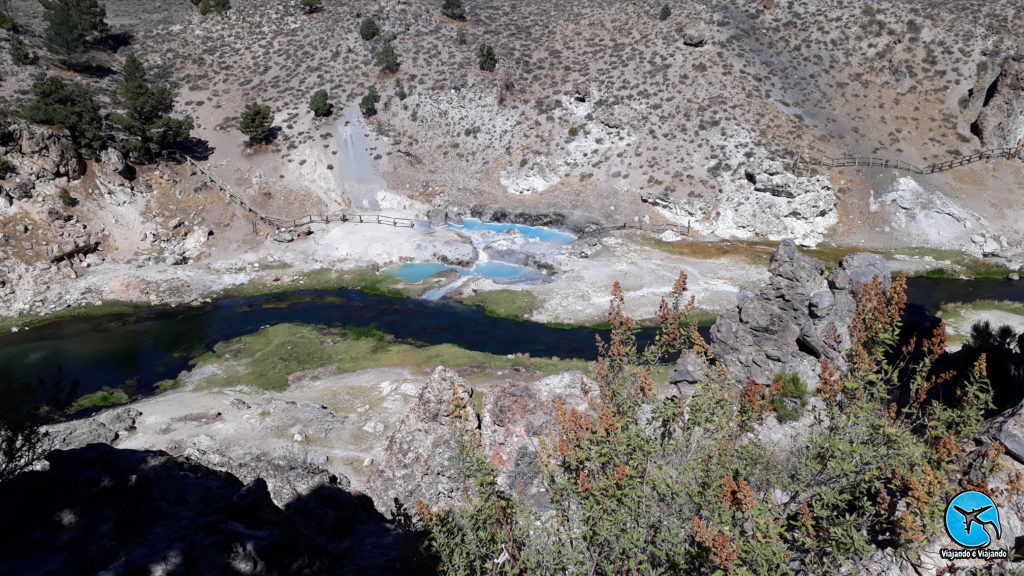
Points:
(801, 317)
(1001, 121)
(100, 510)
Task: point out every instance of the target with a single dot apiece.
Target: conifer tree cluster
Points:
(140, 124)
(144, 119)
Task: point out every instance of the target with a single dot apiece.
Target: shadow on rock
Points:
(98, 509)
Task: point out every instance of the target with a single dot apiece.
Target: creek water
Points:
(137, 350)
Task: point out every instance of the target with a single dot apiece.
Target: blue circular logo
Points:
(968, 516)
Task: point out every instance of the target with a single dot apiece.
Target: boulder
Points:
(106, 428)
(694, 37)
(454, 253)
(110, 173)
(443, 216)
(1001, 120)
(21, 190)
(798, 319)
(112, 165)
(1008, 428)
(194, 242)
(771, 177)
(50, 152)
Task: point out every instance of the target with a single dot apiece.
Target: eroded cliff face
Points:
(801, 317)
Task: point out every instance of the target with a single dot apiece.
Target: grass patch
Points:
(101, 399)
(600, 325)
(365, 279)
(512, 304)
(789, 396)
(166, 385)
(84, 311)
(753, 252)
(266, 358)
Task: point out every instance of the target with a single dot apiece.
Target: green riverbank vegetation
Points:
(265, 359)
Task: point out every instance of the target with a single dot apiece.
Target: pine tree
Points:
(665, 12)
(70, 23)
(368, 105)
(72, 106)
(368, 29)
(319, 104)
(387, 59)
(454, 9)
(145, 119)
(256, 122)
(487, 58)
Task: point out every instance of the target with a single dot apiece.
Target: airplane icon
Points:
(971, 517)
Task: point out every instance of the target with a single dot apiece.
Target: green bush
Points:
(66, 198)
(387, 58)
(58, 102)
(665, 12)
(320, 105)
(212, 6)
(6, 168)
(256, 123)
(20, 54)
(311, 6)
(368, 29)
(69, 23)
(144, 115)
(789, 396)
(574, 131)
(101, 399)
(454, 9)
(368, 105)
(6, 21)
(486, 57)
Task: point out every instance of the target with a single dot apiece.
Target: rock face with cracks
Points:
(798, 319)
(1001, 122)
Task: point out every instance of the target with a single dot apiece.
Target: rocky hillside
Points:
(599, 107)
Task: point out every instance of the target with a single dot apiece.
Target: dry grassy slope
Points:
(815, 76)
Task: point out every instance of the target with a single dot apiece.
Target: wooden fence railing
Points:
(293, 222)
(634, 226)
(800, 163)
